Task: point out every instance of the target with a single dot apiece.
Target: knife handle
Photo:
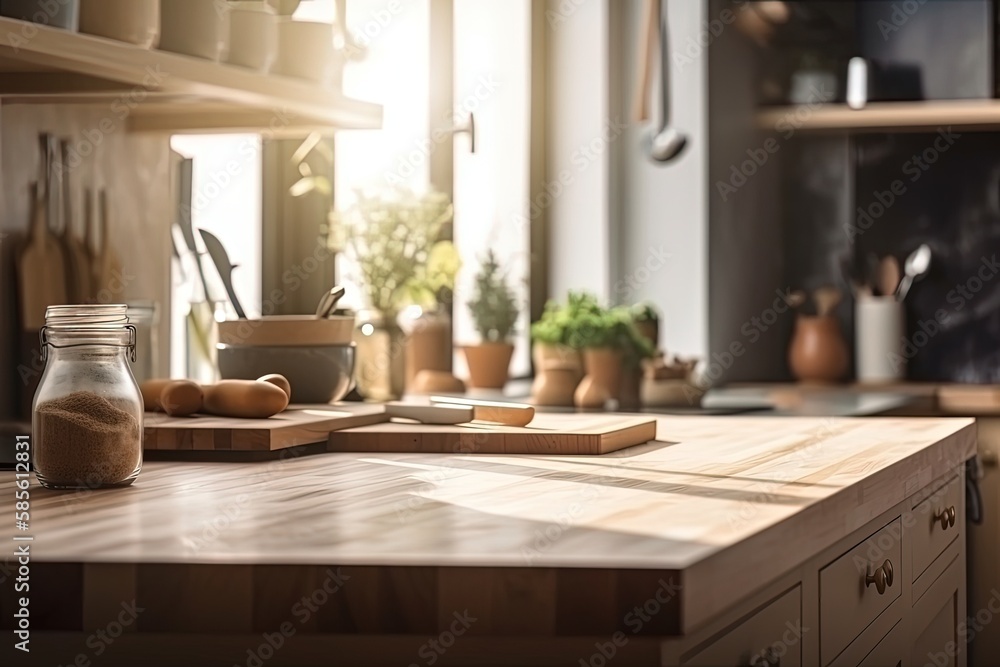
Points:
(495, 412)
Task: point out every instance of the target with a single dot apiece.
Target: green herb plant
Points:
(583, 323)
(493, 305)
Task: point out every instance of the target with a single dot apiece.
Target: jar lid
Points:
(85, 325)
(86, 315)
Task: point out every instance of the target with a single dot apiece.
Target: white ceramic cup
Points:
(305, 51)
(131, 21)
(253, 35)
(880, 332)
(195, 27)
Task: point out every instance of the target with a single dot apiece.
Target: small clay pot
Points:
(488, 364)
(548, 356)
(818, 350)
(436, 382)
(603, 380)
(555, 387)
(591, 394)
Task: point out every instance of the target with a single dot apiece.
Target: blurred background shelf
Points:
(168, 92)
(879, 116)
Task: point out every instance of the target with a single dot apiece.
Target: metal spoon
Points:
(666, 143)
(916, 266)
(329, 302)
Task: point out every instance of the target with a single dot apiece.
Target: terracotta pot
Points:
(548, 356)
(555, 387)
(488, 364)
(818, 351)
(603, 380)
(591, 394)
(428, 346)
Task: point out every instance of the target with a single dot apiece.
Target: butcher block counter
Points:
(729, 540)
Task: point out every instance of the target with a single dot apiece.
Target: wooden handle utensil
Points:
(494, 412)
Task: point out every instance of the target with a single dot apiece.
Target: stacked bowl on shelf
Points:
(259, 35)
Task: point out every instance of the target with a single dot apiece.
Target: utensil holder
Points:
(880, 329)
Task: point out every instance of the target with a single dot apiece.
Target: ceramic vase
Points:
(818, 351)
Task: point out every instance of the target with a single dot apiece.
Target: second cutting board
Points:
(555, 434)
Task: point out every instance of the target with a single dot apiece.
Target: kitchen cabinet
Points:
(890, 652)
(731, 541)
(762, 639)
(984, 545)
(857, 587)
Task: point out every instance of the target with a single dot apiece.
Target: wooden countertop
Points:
(721, 504)
(921, 398)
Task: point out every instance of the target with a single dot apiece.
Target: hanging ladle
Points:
(666, 142)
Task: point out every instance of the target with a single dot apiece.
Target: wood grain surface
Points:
(553, 545)
(299, 425)
(566, 434)
(357, 428)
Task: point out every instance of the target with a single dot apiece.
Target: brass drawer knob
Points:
(881, 577)
(944, 518)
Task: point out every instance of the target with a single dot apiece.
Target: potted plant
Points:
(494, 312)
(558, 366)
(551, 333)
(391, 237)
(611, 344)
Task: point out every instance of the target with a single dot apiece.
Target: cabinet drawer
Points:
(773, 632)
(890, 651)
(935, 524)
(936, 644)
(849, 589)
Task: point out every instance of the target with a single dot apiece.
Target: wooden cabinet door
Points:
(770, 636)
(934, 633)
(890, 652)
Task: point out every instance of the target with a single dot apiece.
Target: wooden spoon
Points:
(888, 275)
(644, 58)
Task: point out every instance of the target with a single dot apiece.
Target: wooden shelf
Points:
(164, 91)
(898, 116)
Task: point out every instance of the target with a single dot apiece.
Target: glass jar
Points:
(86, 420)
(145, 315)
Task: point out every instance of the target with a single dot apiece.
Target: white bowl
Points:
(131, 21)
(305, 51)
(253, 35)
(197, 28)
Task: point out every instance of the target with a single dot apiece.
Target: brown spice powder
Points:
(86, 440)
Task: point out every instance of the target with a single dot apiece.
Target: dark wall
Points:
(940, 188)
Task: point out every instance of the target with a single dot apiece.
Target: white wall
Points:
(611, 227)
(663, 209)
(576, 173)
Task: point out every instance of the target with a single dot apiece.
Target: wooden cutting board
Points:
(108, 265)
(299, 425)
(559, 434)
(40, 268)
(362, 428)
